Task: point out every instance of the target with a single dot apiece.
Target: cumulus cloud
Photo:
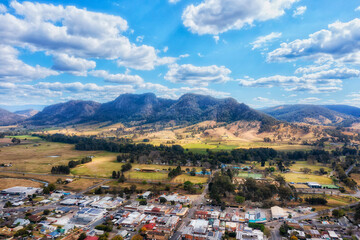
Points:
(299, 11)
(52, 92)
(117, 78)
(218, 16)
(340, 42)
(197, 76)
(357, 9)
(309, 100)
(76, 32)
(262, 41)
(321, 81)
(267, 101)
(13, 69)
(73, 65)
(184, 55)
(174, 1)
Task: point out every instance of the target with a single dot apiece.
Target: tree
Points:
(293, 237)
(8, 204)
(239, 199)
(203, 171)
(114, 175)
(133, 188)
(82, 236)
(280, 179)
(122, 178)
(338, 213)
(189, 186)
(117, 237)
(16, 141)
(284, 229)
(143, 202)
(162, 200)
(305, 170)
(46, 212)
(51, 187)
(126, 167)
(137, 237)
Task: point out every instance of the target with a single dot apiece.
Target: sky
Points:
(260, 52)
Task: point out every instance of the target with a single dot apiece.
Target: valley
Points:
(214, 154)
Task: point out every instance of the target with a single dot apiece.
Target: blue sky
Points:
(260, 52)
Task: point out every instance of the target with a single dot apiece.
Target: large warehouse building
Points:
(24, 191)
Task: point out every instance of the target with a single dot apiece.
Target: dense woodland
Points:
(177, 155)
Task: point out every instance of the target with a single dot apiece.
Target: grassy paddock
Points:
(36, 158)
(333, 201)
(146, 175)
(13, 182)
(194, 179)
(23, 137)
(303, 164)
(296, 177)
(105, 163)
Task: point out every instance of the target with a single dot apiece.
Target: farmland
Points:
(39, 156)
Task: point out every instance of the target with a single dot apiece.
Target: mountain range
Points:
(147, 108)
(330, 115)
(137, 109)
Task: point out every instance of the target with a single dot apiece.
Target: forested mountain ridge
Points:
(65, 113)
(331, 115)
(147, 108)
(8, 118)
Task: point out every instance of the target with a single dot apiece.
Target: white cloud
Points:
(3, 8)
(340, 43)
(309, 100)
(117, 78)
(311, 69)
(52, 92)
(267, 101)
(299, 11)
(174, 1)
(262, 41)
(76, 32)
(218, 16)
(357, 9)
(15, 70)
(321, 81)
(140, 39)
(216, 38)
(184, 55)
(166, 48)
(73, 65)
(197, 76)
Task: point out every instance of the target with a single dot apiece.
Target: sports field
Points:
(250, 175)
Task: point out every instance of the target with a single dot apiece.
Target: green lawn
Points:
(249, 175)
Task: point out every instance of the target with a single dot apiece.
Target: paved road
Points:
(350, 168)
(197, 202)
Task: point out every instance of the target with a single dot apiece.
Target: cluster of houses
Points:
(212, 224)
